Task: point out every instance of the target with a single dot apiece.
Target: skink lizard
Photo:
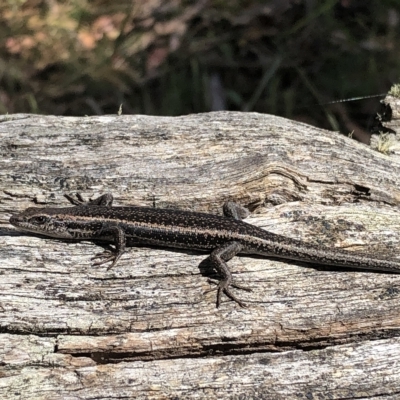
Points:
(223, 236)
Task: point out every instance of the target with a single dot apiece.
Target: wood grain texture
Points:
(149, 327)
(358, 370)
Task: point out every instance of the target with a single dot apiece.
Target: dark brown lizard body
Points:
(223, 236)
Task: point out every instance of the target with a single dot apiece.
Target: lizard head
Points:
(38, 221)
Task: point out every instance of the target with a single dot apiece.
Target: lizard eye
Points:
(40, 220)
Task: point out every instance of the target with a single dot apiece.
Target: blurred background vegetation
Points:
(173, 57)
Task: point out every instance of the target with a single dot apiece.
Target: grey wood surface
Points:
(149, 327)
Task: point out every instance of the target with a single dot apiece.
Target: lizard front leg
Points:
(105, 200)
(118, 234)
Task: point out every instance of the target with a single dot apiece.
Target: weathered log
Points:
(70, 330)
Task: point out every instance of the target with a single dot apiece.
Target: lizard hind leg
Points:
(235, 210)
(218, 257)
